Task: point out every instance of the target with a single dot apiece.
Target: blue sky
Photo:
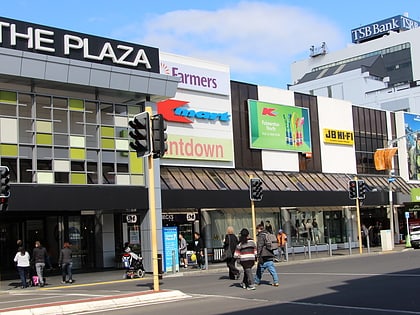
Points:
(258, 39)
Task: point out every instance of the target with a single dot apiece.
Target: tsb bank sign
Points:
(60, 43)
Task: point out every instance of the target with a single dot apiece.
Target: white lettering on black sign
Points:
(51, 41)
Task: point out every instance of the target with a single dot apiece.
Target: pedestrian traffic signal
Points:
(361, 187)
(353, 194)
(140, 134)
(4, 187)
(159, 136)
(256, 190)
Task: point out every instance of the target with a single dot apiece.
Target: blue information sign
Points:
(170, 248)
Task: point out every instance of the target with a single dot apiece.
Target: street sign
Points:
(407, 215)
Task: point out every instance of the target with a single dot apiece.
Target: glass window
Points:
(107, 112)
(61, 178)
(25, 105)
(108, 173)
(25, 170)
(92, 175)
(25, 131)
(76, 123)
(43, 107)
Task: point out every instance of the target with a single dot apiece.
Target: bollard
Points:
(368, 243)
(173, 262)
(160, 266)
(316, 250)
(309, 249)
(206, 259)
(350, 245)
(286, 252)
(329, 247)
(293, 253)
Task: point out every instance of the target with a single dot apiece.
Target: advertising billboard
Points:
(412, 134)
(199, 117)
(279, 127)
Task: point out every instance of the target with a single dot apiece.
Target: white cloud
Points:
(258, 40)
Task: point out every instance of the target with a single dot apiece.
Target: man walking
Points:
(265, 257)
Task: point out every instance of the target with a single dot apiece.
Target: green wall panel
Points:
(76, 104)
(78, 178)
(45, 139)
(77, 154)
(9, 150)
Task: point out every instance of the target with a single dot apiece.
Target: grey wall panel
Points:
(100, 78)
(78, 75)
(33, 66)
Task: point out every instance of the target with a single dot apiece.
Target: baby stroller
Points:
(133, 265)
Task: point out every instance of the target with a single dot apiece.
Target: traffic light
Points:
(353, 193)
(4, 187)
(256, 191)
(4, 182)
(140, 134)
(361, 187)
(159, 136)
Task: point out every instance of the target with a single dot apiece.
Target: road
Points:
(386, 283)
(380, 284)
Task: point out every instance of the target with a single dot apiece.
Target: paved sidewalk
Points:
(145, 295)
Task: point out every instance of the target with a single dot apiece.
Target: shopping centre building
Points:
(65, 102)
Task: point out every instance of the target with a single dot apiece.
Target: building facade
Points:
(65, 102)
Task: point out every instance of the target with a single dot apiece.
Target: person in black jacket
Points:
(39, 255)
(199, 250)
(230, 245)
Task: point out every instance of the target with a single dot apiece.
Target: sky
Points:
(258, 40)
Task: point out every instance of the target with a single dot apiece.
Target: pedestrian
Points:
(268, 227)
(199, 250)
(265, 258)
(282, 240)
(22, 260)
(182, 249)
(65, 261)
(246, 252)
(229, 245)
(39, 256)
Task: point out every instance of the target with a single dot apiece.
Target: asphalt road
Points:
(386, 283)
(380, 284)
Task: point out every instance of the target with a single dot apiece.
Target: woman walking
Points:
(229, 245)
(246, 251)
(22, 260)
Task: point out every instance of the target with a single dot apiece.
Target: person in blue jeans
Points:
(265, 258)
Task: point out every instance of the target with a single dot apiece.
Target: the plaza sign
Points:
(61, 43)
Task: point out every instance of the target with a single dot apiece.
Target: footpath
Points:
(74, 304)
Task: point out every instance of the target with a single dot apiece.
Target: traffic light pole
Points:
(153, 220)
(254, 226)
(359, 225)
(359, 230)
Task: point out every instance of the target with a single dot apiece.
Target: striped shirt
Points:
(246, 251)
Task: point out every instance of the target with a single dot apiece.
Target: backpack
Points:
(270, 241)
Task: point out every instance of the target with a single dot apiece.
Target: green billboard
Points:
(279, 127)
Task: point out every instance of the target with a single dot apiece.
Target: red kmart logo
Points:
(177, 111)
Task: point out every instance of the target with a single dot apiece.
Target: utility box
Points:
(386, 240)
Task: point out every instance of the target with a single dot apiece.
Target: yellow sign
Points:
(338, 136)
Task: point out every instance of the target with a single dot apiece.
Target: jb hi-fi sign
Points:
(61, 43)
